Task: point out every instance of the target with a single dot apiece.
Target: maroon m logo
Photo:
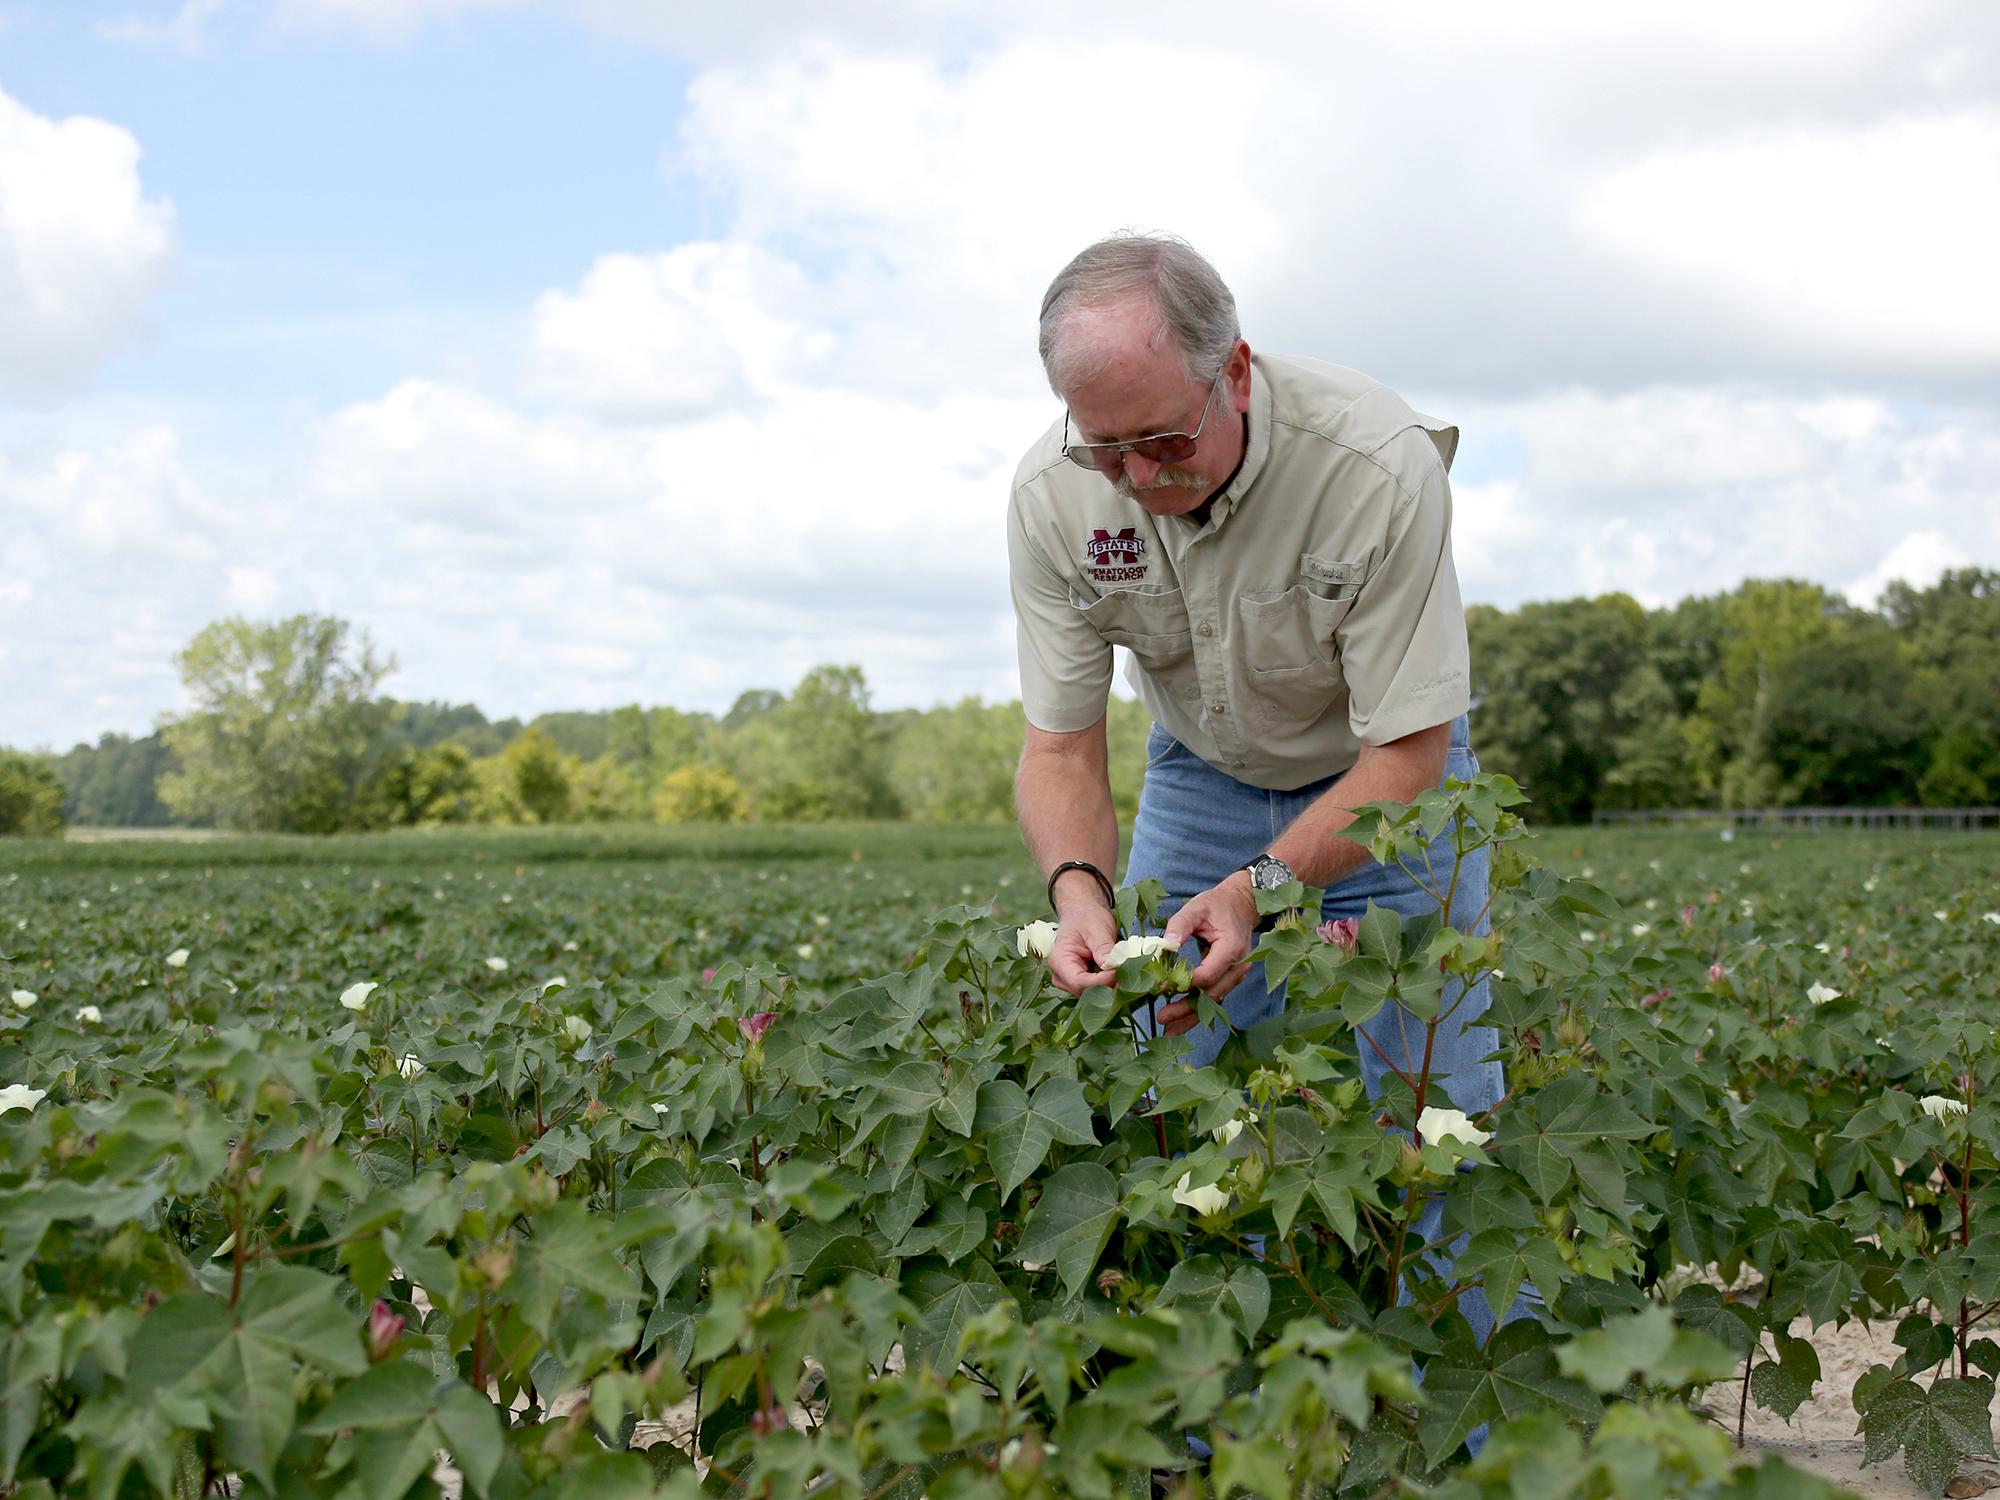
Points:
(1125, 547)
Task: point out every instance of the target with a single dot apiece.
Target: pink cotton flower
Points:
(385, 1326)
(754, 1027)
(1716, 973)
(1687, 915)
(708, 976)
(1344, 933)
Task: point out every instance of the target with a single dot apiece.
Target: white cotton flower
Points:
(821, 919)
(355, 996)
(1640, 929)
(1036, 940)
(1438, 1126)
(1991, 916)
(1729, 835)
(804, 951)
(89, 1015)
(178, 959)
(20, 1096)
(1869, 884)
(1212, 1199)
(1937, 1106)
(570, 946)
(497, 965)
(576, 1029)
(1819, 994)
(1227, 1131)
(24, 999)
(555, 983)
(1942, 916)
(409, 1065)
(1135, 947)
(660, 1107)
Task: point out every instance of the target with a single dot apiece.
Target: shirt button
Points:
(1206, 628)
(1218, 708)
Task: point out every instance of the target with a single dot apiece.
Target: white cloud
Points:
(1669, 491)
(1879, 239)
(685, 330)
(111, 565)
(82, 249)
(1919, 559)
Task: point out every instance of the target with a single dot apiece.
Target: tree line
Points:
(1775, 693)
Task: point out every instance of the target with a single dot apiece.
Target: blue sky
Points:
(603, 351)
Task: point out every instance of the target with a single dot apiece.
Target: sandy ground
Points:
(1821, 1436)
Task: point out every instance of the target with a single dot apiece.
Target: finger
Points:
(1075, 972)
(1175, 1012)
(1228, 982)
(1226, 953)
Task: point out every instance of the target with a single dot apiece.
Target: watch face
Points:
(1269, 874)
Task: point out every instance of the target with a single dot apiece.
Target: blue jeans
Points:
(1196, 825)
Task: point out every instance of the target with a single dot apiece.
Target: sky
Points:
(588, 352)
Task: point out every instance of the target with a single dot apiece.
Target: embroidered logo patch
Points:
(1322, 570)
(1115, 557)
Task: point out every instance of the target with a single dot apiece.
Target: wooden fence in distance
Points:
(1958, 819)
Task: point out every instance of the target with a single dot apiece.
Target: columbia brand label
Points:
(1321, 571)
(1115, 557)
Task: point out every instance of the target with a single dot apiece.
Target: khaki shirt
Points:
(1314, 612)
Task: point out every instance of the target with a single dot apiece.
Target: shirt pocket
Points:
(1150, 623)
(1295, 629)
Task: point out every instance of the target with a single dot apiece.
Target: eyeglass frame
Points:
(1118, 450)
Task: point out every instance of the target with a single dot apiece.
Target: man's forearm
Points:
(1064, 797)
(1395, 772)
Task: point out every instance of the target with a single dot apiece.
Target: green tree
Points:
(700, 794)
(603, 791)
(534, 770)
(422, 788)
(1767, 624)
(956, 764)
(115, 783)
(1563, 701)
(285, 728)
(1953, 629)
(1844, 725)
(816, 755)
(31, 798)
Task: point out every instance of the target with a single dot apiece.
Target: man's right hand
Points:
(1085, 932)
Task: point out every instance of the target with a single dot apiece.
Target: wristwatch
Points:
(1267, 873)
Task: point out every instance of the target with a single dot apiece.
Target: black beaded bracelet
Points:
(1103, 884)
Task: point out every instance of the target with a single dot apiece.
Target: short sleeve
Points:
(1065, 664)
(1403, 645)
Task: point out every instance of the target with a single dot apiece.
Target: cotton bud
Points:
(1343, 933)
(385, 1326)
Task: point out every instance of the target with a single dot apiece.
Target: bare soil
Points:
(1821, 1435)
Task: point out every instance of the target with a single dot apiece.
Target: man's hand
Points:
(1224, 918)
(1084, 935)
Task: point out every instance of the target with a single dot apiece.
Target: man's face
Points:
(1139, 392)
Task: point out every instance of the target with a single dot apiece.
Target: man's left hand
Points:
(1224, 918)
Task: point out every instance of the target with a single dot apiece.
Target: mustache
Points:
(1169, 478)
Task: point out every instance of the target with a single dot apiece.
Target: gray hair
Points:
(1194, 305)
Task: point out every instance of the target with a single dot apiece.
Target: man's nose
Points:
(1141, 471)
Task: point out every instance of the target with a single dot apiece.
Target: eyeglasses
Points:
(1160, 448)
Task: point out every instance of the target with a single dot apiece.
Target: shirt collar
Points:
(1256, 447)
